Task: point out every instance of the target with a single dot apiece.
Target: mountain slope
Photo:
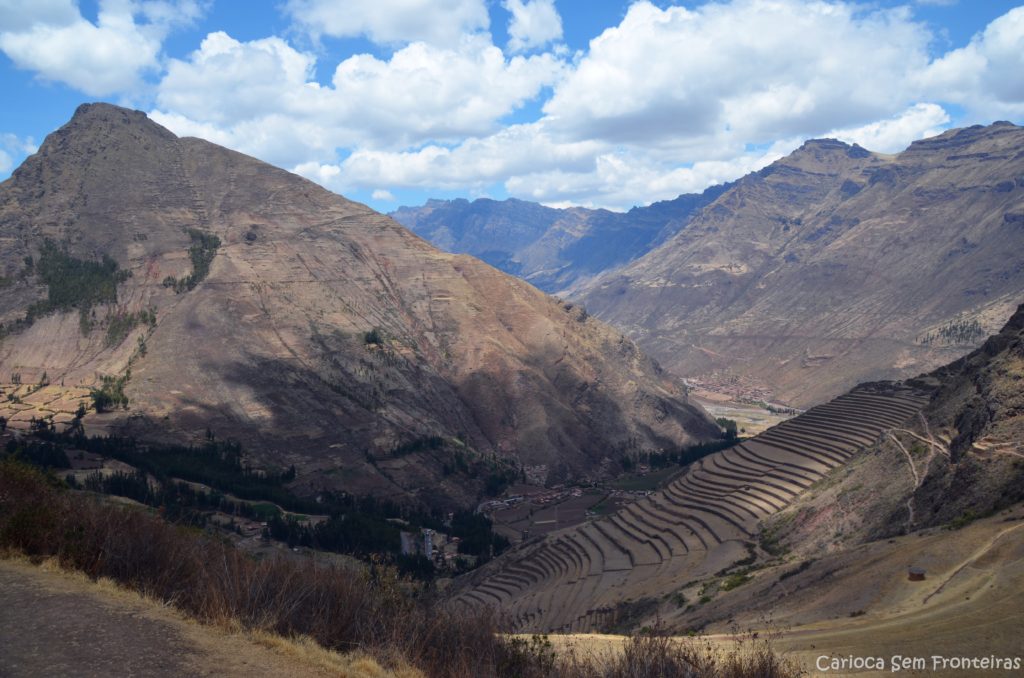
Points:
(963, 458)
(551, 248)
(835, 265)
(319, 333)
(820, 498)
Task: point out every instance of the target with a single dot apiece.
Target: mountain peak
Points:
(111, 118)
(825, 144)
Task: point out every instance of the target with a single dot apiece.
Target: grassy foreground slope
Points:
(373, 613)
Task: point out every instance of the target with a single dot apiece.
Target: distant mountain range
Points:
(185, 290)
(553, 249)
(832, 266)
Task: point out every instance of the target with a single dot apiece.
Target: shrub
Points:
(735, 581)
(369, 610)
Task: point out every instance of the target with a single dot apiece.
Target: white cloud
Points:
(54, 40)
(896, 133)
(667, 101)
(383, 195)
(534, 23)
(260, 96)
(984, 76)
(517, 149)
(620, 180)
(762, 69)
(439, 22)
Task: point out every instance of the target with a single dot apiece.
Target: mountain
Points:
(833, 266)
(551, 248)
(961, 459)
(188, 290)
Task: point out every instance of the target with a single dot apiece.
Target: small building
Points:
(428, 543)
(916, 573)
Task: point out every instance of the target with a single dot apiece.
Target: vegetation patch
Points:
(74, 283)
(110, 395)
(681, 457)
(962, 520)
(357, 526)
(202, 251)
(960, 331)
(735, 581)
(421, 444)
(729, 427)
(371, 611)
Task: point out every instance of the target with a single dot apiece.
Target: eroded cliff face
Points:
(834, 266)
(323, 334)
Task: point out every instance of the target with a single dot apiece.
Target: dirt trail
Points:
(53, 623)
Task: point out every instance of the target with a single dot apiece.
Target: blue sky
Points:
(594, 103)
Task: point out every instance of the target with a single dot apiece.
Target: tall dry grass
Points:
(212, 581)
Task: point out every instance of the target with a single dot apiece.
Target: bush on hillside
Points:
(340, 609)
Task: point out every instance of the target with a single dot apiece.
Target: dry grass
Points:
(367, 620)
(655, 656)
(302, 656)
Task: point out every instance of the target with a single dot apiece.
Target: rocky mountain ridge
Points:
(551, 248)
(835, 265)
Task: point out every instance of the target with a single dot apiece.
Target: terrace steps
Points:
(694, 526)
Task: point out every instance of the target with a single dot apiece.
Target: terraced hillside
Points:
(701, 523)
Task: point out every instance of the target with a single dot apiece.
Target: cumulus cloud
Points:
(383, 195)
(763, 69)
(896, 133)
(438, 22)
(534, 24)
(985, 75)
(260, 96)
(472, 164)
(666, 101)
(54, 40)
(673, 100)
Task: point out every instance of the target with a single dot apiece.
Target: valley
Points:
(815, 438)
(832, 266)
(702, 523)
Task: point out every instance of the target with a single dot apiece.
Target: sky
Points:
(598, 103)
